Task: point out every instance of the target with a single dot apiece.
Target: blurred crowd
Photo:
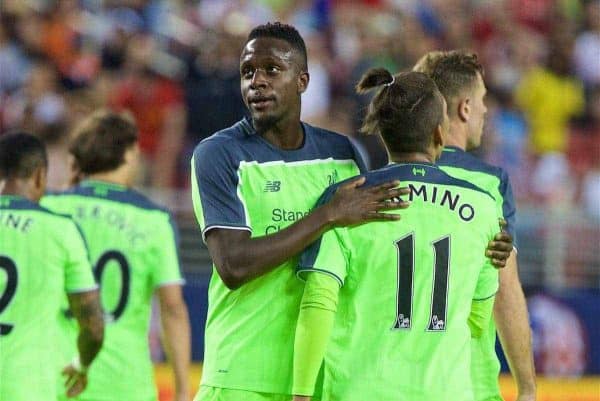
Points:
(174, 66)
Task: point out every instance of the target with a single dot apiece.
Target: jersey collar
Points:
(453, 149)
(106, 184)
(426, 164)
(250, 131)
(7, 200)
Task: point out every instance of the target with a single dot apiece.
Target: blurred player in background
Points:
(42, 257)
(133, 245)
(253, 188)
(410, 294)
(459, 77)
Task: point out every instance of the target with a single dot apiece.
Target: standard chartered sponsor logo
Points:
(281, 218)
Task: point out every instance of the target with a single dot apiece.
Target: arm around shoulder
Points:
(512, 323)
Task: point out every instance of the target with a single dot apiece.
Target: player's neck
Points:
(17, 188)
(412, 157)
(457, 135)
(119, 177)
(286, 133)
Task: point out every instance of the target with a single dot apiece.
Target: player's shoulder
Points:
(89, 191)
(137, 199)
(51, 217)
(420, 172)
(225, 139)
(326, 135)
(330, 143)
(458, 158)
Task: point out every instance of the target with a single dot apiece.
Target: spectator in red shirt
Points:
(157, 105)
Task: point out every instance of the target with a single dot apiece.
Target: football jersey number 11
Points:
(406, 269)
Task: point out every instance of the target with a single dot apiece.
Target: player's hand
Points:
(76, 380)
(353, 204)
(500, 247)
(301, 398)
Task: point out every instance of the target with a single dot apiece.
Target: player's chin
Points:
(264, 118)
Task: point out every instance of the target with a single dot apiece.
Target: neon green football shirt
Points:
(485, 366)
(42, 257)
(242, 182)
(401, 329)
(133, 247)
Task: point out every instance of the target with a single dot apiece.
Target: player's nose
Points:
(258, 79)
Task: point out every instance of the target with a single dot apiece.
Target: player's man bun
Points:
(405, 110)
(374, 78)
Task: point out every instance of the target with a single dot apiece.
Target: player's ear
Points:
(39, 180)
(464, 109)
(303, 79)
(438, 136)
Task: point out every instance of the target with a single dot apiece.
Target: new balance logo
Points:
(272, 186)
(420, 171)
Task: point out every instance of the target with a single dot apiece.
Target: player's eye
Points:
(247, 73)
(273, 69)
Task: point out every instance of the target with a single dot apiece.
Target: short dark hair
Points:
(284, 32)
(21, 154)
(453, 72)
(101, 140)
(405, 111)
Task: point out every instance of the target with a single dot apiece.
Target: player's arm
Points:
(512, 324)
(84, 302)
(86, 308)
(175, 327)
(167, 281)
(239, 258)
(315, 322)
(510, 309)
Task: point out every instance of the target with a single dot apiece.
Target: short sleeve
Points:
(217, 203)
(326, 255)
(79, 276)
(358, 156)
(487, 281)
(167, 269)
(508, 206)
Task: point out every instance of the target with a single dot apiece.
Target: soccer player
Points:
(253, 187)
(133, 246)
(459, 76)
(43, 258)
(408, 296)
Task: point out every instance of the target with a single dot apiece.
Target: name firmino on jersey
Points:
(443, 197)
